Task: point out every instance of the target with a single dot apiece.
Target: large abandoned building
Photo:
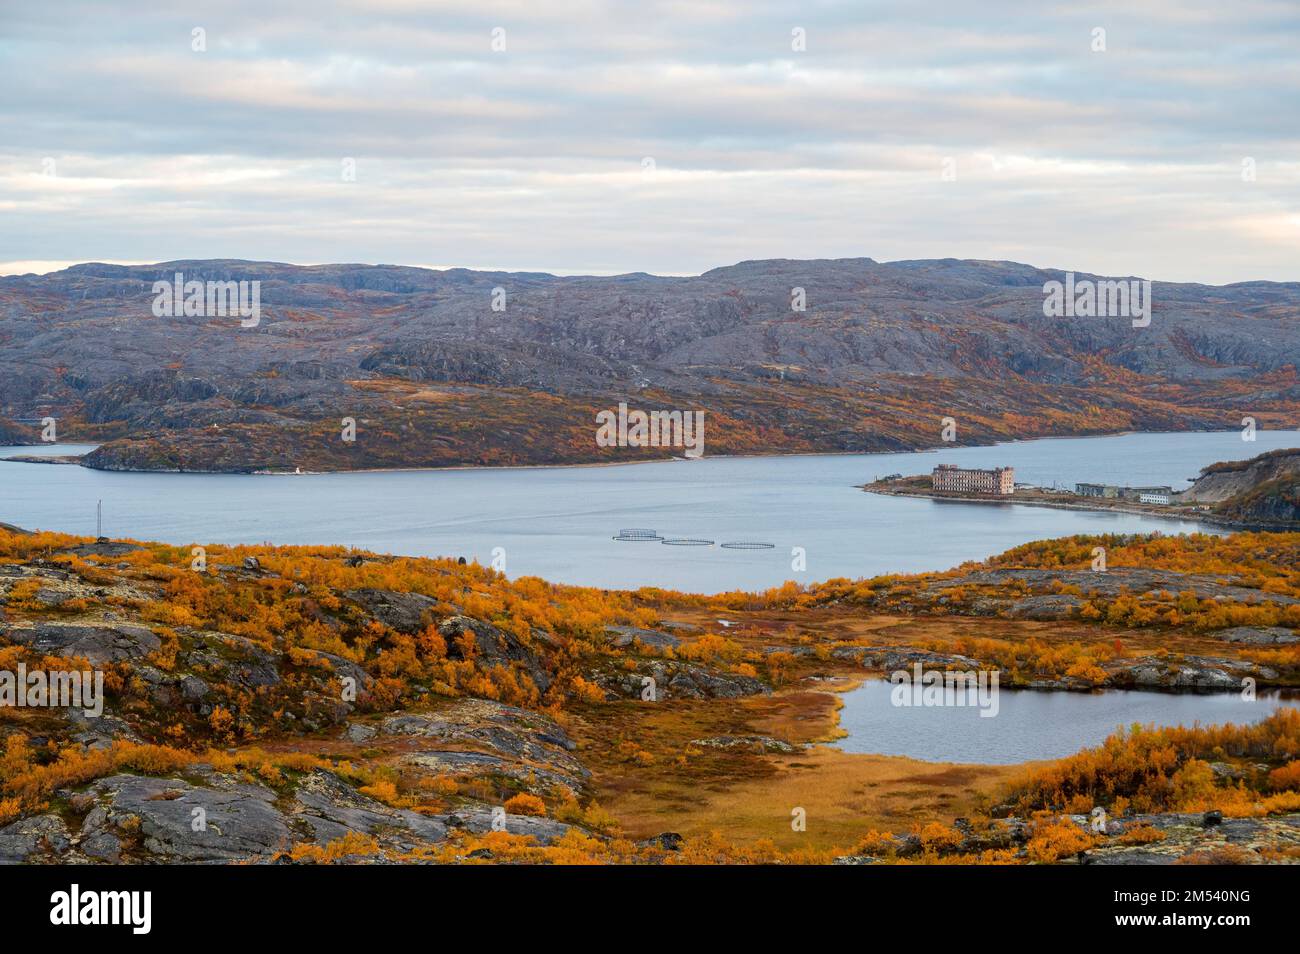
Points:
(999, 480)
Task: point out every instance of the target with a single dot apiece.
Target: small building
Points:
(1154, 498)
(950, 477)
(1135, 493)
(1097, 490)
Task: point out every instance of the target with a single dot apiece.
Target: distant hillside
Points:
(433, 375)
(1262, 490)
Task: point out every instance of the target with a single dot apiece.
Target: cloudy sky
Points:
(667, 137)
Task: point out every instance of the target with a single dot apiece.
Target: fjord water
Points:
(557, 523)
(1029, 725)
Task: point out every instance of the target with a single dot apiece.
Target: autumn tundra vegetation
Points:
(479, 696)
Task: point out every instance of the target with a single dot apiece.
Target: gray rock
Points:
(193, 688)
(100, 644)
(41, 838)
(664, 841)
(241, 819)
(404, 612)
(749, 743)
(232, 659)
(625, 636)
(102, 548)
(1049, 606)
(359, 732)
(331, 808)
(1258, 635)
(674, 679)
(479, 822)
(895, 658)
(493, 646)
(523, 739)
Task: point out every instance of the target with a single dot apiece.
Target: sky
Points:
(1157, 139)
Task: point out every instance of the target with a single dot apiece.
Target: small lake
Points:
(558, 522)
(1029, 725)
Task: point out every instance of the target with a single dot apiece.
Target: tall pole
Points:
(99, 519)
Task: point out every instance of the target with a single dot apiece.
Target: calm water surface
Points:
(1029, 725)
(557, 523)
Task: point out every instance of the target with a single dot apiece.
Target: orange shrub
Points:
(525, 804)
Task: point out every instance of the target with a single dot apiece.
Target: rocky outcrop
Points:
(40, 839)
(894, 658)
(481, 821)
(1219, 483)
(1047, 607)
(1114, 582)
(403, 612)
(1178, 838)
(1261, 492)
(1258, 635)
(481, 737)
(674, 680)
(762, 744)
(1198, 838)
(100, 644)
(494, 646)
(330, 809)
(1186, 672)
(170, 820)
(625, 637)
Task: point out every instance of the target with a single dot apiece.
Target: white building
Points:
(1162, 499)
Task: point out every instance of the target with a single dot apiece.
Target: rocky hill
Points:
(463, 367)
(1262, 491)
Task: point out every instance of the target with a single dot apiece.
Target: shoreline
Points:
(76, 459)
(1149, 510)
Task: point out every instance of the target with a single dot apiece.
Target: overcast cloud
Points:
(668, 137)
